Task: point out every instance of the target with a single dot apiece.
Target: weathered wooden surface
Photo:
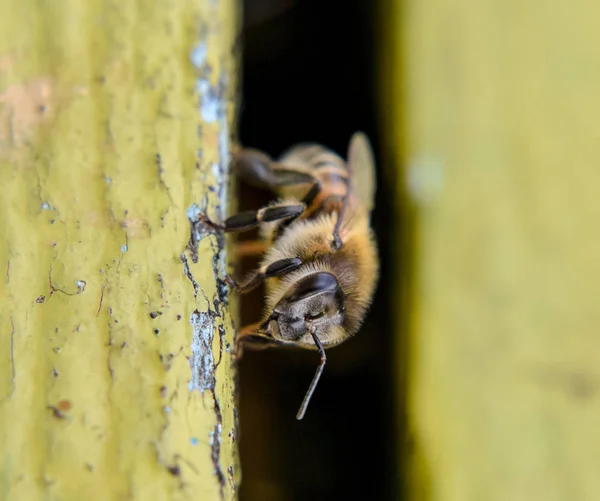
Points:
(116, 377)
(497, 106)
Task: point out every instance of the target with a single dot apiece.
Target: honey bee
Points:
(319, 260)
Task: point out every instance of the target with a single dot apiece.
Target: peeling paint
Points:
(210, 103)
(97, 168)
(198, 230)
(223, 170)
(187, 272)
(215, 445)
(198, 55)
(202, 361)
(193, 212)
(207, 325)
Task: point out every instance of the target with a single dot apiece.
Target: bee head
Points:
(315, 301)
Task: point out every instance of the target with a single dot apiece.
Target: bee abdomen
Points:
(331, 174)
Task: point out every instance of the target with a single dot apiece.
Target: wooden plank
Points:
(495, 110)
(116, 375)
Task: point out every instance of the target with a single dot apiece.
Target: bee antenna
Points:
(313, 384)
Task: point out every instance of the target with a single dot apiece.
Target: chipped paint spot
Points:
(81, 285)
(198, 55)
(25, 106)
(198, 231)
(46, 206)
(222, 171)
(194, 441)
(225, 160)
(193, 213)
(215, 434)
(214, 439)
(124, 248)
(212, 106)
(202, 362)
(215, 169)
(210, 102)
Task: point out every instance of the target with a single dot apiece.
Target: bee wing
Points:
(361, 164)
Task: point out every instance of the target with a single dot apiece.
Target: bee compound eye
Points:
(313, 284)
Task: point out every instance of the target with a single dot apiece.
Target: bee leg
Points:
(276, 269)
(308, 199)
(242, 337)
(249, 248)
(312, 194)
(259, 170)
(250, 219)
(251, 336)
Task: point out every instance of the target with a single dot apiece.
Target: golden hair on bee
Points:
(319, 257)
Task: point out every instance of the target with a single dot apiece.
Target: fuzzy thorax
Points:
(354, 265)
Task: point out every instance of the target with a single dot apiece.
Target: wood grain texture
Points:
(116, 377)
(495, 107)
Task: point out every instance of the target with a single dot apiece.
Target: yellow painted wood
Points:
(495, 110)
(116, 377)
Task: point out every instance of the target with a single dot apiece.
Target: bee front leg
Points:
(250, 219)
(253, 337)
(276, 269)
